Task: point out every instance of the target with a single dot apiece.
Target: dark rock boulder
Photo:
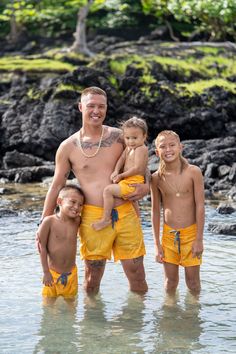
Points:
(225, 208)
(14, 159)
(7, 212)
(224, 229)
(27, 174)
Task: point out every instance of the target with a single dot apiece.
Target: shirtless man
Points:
(92, 153)
(177, 187)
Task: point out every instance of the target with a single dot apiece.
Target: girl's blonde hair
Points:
(162, 164)
(135, 122)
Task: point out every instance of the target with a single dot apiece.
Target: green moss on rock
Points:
(17, 63)
(200, 86)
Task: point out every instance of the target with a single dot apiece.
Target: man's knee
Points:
(91, 285)
(136, 275)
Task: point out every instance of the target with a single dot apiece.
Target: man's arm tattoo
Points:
(137, 259)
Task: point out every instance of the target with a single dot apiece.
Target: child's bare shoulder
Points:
(193, 169)
(155, 174)
(47, 220)
(155, 177)
(142, 148)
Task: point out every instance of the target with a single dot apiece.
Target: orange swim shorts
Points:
(125, 184)
(124, 240)
(65, 284)
(177, 245)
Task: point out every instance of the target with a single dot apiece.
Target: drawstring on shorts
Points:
(63, 278)
(114, 217)
(177, 238)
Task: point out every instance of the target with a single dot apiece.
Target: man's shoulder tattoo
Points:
(114, 137)
(75, 142)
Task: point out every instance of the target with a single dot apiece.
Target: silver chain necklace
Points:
(99, 145)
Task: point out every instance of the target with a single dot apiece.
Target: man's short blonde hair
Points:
(93, 90)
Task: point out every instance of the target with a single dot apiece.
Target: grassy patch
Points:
(63, 87)
(113, 81)
(12, 64)
(199, 87)
(148, 79)
(208, 66)
(118, 64)
(118, 67)
(224, 66)
(64, 56)
(182, 66)
(209, 50)
(34, 94)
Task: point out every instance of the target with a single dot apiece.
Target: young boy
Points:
(177, 187)
(58, 243)
(133, 163)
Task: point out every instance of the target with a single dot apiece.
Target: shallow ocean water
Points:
(115, 321)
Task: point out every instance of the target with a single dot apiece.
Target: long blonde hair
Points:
(162, 164)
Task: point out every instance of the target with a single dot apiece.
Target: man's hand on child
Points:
(117, 178)
(140, 191)
(114, 175)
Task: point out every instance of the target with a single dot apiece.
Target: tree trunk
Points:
(80, 43)
(171, 32)
(16, 30)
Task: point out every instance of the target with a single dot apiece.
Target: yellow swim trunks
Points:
(125, 184)
(124, 240)
(177, 246)
(65, 284)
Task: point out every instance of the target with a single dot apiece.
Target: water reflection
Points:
(178, 326)
(117, 333)
(57, 328)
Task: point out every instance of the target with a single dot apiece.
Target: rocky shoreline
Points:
(39, 109)
(213, 156)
